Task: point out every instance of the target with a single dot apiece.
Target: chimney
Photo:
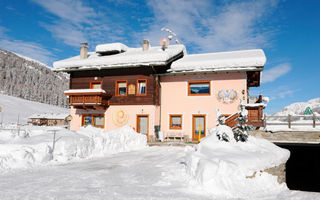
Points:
(84, 50)
(145, 45)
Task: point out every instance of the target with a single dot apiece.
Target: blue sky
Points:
(288, 31)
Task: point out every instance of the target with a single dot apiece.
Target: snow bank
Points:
(235, 169)
(37, 148)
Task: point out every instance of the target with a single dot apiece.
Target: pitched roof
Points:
(245, 60)
(131, 57)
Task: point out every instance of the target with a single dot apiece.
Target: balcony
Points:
(89, 98)
(255, 114)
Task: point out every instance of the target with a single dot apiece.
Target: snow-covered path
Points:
(151, 173)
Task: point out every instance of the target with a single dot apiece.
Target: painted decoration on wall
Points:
(132, 89)
(227, 95)
(120, 117)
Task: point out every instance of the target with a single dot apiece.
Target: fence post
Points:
(289, 121)
(265, 121)
(314, 120)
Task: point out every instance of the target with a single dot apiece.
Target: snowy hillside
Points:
(13, 106)
(299, 108)
(29, 79)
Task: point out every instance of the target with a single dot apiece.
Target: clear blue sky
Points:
(288, 31)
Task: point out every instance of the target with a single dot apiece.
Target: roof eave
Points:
(258, 68)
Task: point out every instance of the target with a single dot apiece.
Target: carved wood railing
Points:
(86, 99)
(89, 100)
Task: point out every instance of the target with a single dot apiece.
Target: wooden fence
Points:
(293, 120)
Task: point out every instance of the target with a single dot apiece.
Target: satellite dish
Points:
(164, 42)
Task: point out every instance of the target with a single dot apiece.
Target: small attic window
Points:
(111, 48)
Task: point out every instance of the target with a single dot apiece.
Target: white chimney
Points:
(145, 45)
(84, 50)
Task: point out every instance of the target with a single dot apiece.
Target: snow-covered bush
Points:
(223, 133)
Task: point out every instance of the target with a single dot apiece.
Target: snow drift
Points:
(36, 147)
(235, 169)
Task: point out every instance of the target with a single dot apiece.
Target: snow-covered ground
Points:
(275, 128)
(14, 108)
(150, 173)
(299, 121)
(93, 164)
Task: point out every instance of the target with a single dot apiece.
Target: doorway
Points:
(198, 121)
(143, 124)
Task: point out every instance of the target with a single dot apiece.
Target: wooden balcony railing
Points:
(86, 99)
(255, 117)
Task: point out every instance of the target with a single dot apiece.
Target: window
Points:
(93, 120)
(95, 85)
(142, 87)
(121, 88)
(199, 88)
(175, 122)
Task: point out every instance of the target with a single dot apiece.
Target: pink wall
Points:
(175, 99)
(75, 123)
(130, 111)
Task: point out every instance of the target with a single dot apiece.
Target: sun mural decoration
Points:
(120, 118)
(227, 95)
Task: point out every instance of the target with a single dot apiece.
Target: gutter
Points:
(211, 71)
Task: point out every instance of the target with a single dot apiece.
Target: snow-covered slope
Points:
(29, 79)
(299, 108)
(13, 106)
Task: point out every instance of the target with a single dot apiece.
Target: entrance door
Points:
(142, 124)
(197, 122)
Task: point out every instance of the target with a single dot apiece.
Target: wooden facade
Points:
(255, 116)
(253, 78)
(110, 78)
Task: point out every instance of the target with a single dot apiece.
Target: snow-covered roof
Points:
(111, 47)
(245, 60)
(50, 116)
(84, 91)
(130, 58)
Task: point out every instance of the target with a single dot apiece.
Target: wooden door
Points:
(143, 124)
(197, 122)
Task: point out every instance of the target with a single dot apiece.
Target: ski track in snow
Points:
(151, 173)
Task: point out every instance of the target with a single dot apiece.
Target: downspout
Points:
(158, 82)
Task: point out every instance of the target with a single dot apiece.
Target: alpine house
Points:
(160, 89)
